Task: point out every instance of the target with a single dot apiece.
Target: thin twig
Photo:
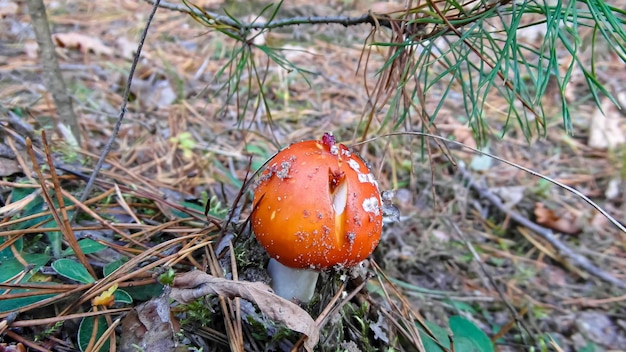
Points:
(63, 225)
(116, 130)
(292, 21)
(580, 261)
(547, 234)
(574, 191)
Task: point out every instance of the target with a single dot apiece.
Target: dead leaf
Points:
(30, 49)
(8, 9)
(13, 208)
(511, 195)
(106, 298)
(127, 48)
(554, 276)
(440, 236)
(295, 52)
(195, 284)
(604, 130)
(19, 347)
(613, 188)
(564, 222)
(599, 223)
(464, 134)
(208, 4)
(149, 327)
(532, 34)
(387, 7)
(154, 93)
(9, 167)
(82, 42)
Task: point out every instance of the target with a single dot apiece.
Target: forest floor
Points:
(184, 142)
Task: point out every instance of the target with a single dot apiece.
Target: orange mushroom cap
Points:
(317, 206)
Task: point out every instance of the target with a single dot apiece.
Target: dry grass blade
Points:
(47, 301)
(332, 308)
(491, 281)
(109, 144)
(11, 209)
(105, 223)
(30, 344)
(62, 220)
(204, 111)
(579, 194)
(129, 269)
(108, 334)
(547, 234)
(402, 317)
(550, 252)
(121, 201)
(53, 320)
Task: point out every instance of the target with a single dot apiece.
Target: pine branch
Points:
(286, 22)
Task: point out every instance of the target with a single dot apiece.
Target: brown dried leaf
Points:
(463, 134)
(195, 284)
(82, 42)
(8, 9)
(565, 222)
(554, 276)
(30, 49)
(208, 4)
(9, 167)
(149, 327)
(19, 347)
(387, 7)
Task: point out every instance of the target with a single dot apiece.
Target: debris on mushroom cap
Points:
(317, 206)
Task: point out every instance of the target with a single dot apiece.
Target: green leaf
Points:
(440, 334)
(72, 270)
(462, 306)
(7, 305)
(122, 296)
(188, 205)
(55, 237)
(13, 267)
(112, 266)
(86, 328)
(468, 337)
(36, 206)
(590, 347)
(87, 245)
(144, 293)
(7, 253)
(33, 207)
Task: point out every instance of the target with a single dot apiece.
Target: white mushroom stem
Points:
(290, 283)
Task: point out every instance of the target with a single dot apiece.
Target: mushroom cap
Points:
(317, 206)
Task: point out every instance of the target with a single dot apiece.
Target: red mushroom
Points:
(316, 206)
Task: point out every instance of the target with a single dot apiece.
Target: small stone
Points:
(597, 327)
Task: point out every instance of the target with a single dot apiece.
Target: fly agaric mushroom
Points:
(316, 206)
